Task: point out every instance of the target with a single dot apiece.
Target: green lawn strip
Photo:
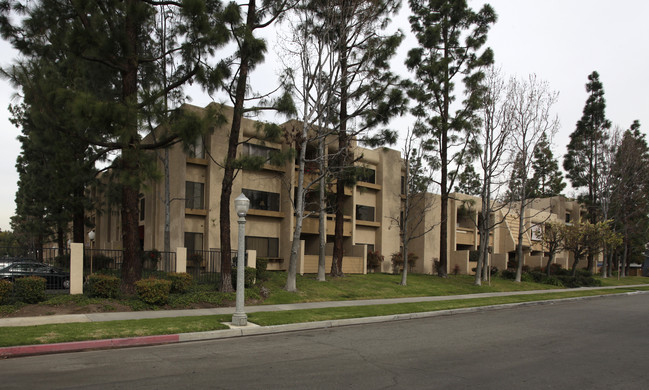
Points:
(83, 331)
(311, 315)
(371, 286)
(46, 334)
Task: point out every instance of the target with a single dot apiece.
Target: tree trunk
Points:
(299, 214)
(322, 218)
(225, 284)
(343, 146)
(549, 263)
(591, 264)
(132, 262)
(519, 247)
(167, 204)
(574, 265)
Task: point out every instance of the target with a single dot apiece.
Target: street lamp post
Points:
(241, 204)
(91, 237)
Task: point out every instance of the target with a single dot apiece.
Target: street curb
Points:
(40, 349)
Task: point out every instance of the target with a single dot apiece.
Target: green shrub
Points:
(180, 282)
(262, 269)
(6, 288)
(527, 277)
(249, 275)
(508, 274)
(397, 261)
(150, 259)
(374, 260)
(553, 281)
(153, 291)
(102, 262)
(30, 289)
(103, 286)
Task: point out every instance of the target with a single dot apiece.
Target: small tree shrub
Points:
(249, 275)
(103, 286)
(374, 260)
(195, 260)
(151, 259)
(397, 261)
(153, 291)
(102, 262)
(180, 282)
(508, 274)
(6, 287)
(30, 289)
(262, 269)
(437, 265)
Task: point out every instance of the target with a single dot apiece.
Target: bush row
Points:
(559, 277)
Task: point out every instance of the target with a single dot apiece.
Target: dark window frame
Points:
(194, 195)
(362, 213)
(262, 200)
(271, 249)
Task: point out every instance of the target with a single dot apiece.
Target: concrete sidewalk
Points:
(250, 329)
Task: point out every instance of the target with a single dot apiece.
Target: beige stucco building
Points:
(371, 210)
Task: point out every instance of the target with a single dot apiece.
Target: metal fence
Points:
(205, 266)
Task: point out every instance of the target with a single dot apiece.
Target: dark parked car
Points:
(55, 277)
(5, 261)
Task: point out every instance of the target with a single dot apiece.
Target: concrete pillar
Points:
(252, 258)
(181, 259)
(76, 268)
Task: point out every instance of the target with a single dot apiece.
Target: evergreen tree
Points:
(365, 89)
(450, 35)
(250, 53)
(583, 160)
(630, 200)
(118, 38)
(547, 180)
(469, 182)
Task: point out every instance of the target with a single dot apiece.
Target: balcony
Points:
(311, 225)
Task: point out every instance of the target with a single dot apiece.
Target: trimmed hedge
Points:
(153, 291)
(103, 286)
(6, 288)
(262, 269)
(249, 275)
(30, 289)
(180, 282)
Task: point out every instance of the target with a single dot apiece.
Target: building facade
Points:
(372, 209)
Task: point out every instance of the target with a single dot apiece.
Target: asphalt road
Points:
(600, 343)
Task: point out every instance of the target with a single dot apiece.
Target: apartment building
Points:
(371, 210)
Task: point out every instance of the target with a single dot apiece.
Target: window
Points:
(258, 150)
(262, 200)
(403, 185)
(364, 213)
(367, 175)
(194, 198)
(194, 241)
(265, 246)
(142, 209)
(197, 150)
(567, 217)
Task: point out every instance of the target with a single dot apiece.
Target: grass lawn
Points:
(351, 287)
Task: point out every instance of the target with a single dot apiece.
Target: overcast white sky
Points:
(561, 41)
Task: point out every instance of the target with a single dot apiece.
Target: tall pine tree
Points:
(119, 39)
(547, 180)
(583, 160)
(450, 36)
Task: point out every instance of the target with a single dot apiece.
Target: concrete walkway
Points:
(251, 329)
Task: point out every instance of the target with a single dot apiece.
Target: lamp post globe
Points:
(241, 205)
(91, 237)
